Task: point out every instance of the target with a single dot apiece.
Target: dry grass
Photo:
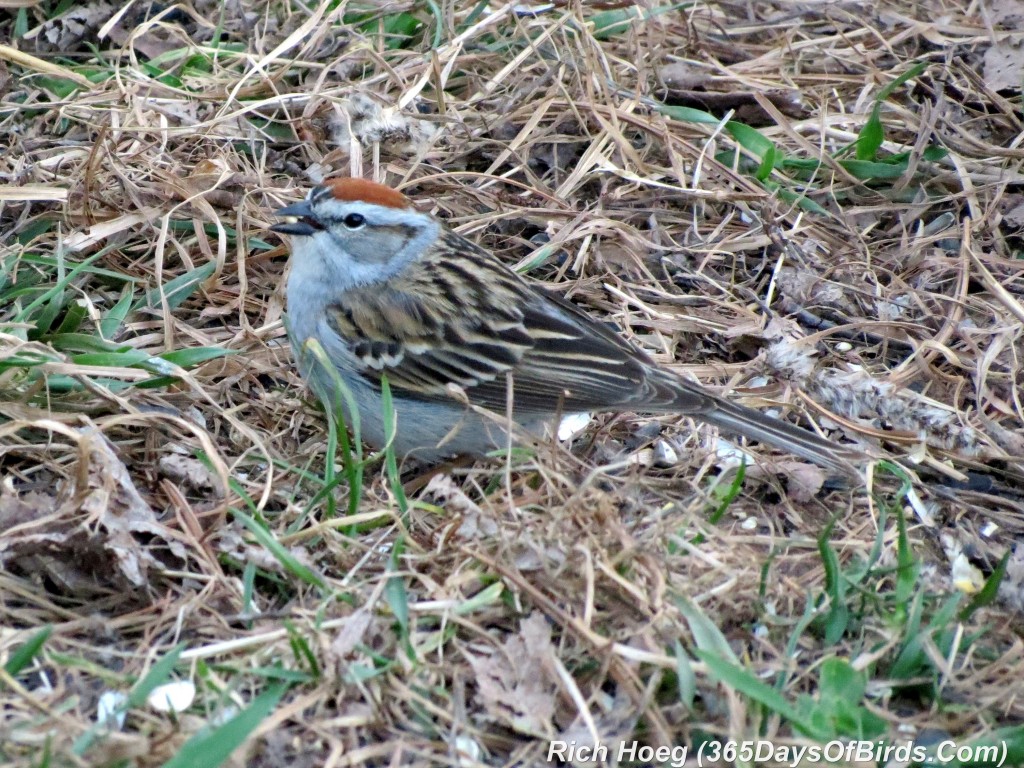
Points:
(566, 593)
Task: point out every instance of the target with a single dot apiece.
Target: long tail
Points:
(740, 420)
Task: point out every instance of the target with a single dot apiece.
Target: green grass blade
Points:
(114, 317)
(871, 136)
(752, 140)
(342, 409)
(987, 594)
(390, 462)
(158, 675)
(707, 637)
(279, 551)
(911, 73)
(688, 114)
(177, 290)
(868, 170)
(838, 616)
(211, 749)
(398, 598)
(743, 681)
(686, 678)
(193, 356)
(23, 655)
(63, 282)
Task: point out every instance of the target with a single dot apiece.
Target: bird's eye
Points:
(354, 220)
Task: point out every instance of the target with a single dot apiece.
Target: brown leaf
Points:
(1003, 65)
(151, 43)
(683, 75)
(1011, 589)
(351, 633)
(475, 523)
(70, 28)
(516, 684)
(188, 471)
(803, 480)
(117, 507)
(90, 537)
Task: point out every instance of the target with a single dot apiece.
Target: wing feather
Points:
(456, 315)
(448, 324)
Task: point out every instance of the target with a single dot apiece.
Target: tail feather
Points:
(740, 420)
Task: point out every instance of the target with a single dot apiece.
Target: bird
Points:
(389, 291)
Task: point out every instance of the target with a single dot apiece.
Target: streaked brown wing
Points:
(464, 318)
(421, 357)
(456, 318)
(558, 356)
(576, 364)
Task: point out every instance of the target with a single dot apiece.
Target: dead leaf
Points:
(232, 541)
(683, 75)
(23, 510)
(69, 29)
(151, 43)
(90, 537)
(516, 684)
(1003, 64)
(366, 122)
(803, 480)
(1012, 209)
(351, 633)
(188, 471)
(1011, 588)
(475, 524)
(117, 506)
(1008, 14)
(614, 718)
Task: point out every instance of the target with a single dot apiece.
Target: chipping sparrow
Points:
(386, 289)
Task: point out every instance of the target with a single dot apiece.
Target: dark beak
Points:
(306, 225)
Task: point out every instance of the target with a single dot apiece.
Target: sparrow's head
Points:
(358, 231)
